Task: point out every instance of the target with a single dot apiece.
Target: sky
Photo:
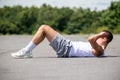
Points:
(92, 4)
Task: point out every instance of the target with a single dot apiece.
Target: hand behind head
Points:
(102, 34)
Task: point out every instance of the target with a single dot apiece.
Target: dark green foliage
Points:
(24, 20)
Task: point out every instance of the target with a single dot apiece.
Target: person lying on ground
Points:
(94, 47)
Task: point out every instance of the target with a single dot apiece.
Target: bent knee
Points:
(44, 27)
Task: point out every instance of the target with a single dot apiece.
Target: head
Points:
(108, 35)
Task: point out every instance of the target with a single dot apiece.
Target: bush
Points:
(7, 28)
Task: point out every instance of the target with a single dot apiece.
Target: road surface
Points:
(45, 66)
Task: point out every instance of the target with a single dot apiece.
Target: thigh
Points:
(61, 45)
(49, 32)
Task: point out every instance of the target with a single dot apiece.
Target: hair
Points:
(108, 35)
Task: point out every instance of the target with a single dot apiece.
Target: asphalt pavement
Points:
(46, 66)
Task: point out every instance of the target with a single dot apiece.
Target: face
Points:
(101, 40)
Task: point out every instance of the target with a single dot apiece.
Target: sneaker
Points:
(22, 54)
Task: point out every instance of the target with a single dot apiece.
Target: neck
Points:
(103, 45)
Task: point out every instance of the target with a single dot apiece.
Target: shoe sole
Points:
(21, 57)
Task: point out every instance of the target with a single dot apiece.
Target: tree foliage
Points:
(24, 20)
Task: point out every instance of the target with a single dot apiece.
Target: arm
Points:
(96, 48)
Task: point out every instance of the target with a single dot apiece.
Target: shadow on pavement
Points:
(109, 56)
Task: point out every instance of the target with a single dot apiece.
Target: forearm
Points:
(94, 38)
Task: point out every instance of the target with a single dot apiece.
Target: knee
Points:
(43, 27)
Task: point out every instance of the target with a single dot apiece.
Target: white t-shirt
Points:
(81, 49)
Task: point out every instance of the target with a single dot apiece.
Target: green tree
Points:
(7, 28)
(26, 20)
(110, 17)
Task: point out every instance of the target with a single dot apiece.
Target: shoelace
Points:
(22, 52)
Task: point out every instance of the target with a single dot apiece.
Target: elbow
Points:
(90, 39)
(98, 54)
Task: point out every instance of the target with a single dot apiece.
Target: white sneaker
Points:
(22, 54)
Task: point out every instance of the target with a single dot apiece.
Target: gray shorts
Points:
(61, 45)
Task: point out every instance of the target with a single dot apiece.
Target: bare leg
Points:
(44, 31)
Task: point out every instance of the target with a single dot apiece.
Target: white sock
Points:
(30, 47)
